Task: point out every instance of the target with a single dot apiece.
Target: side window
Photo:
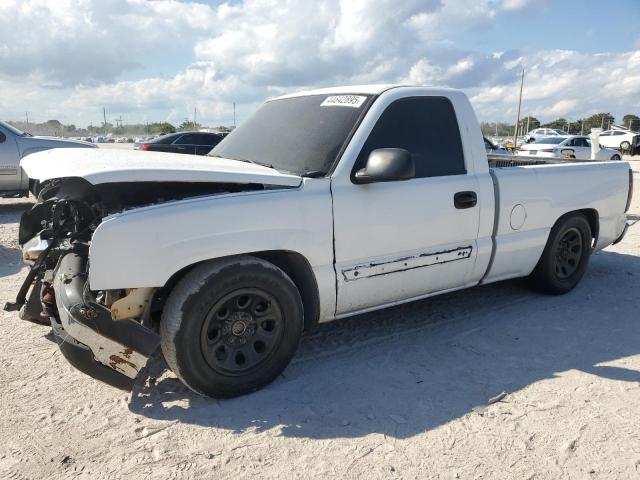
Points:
(605, 134)
(487, 146)
(3, 137)
(208, 139)
(618, 133)
(188, 139)
(581, 142)
(424, 126)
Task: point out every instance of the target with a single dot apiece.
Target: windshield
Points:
(300, 135)
(552, 140)
(11, 128)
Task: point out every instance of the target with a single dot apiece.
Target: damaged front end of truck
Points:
(107, 334)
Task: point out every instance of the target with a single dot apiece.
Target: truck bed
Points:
(530, 199)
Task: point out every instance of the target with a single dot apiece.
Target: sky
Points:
(157, 60)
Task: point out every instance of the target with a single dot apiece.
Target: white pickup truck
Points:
(322, 205)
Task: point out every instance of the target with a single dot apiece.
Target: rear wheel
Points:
(624, 146)
(231, 326)
(615, 157)
(565, 257)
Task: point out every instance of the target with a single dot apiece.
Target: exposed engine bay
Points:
(67, 213)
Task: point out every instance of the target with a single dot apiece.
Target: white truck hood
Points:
(114, 165)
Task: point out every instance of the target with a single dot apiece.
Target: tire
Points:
(625, 146)
(565, 256)
(231, 326)
(615, 157)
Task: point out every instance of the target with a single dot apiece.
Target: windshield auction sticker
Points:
(354, 101)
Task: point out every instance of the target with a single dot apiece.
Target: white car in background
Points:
(620, 139)
(574, 146)
(539, 133)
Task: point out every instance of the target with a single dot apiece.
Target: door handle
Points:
(465, 200)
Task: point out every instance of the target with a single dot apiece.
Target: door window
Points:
(188, 139)
(424, 126)
(208, 140)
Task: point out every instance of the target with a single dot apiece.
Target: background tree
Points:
(560, 123)
(631, 121)
(188, 125)
(161, 127)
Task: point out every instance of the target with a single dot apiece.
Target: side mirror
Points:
(386, 165)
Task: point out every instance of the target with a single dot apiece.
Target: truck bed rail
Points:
(503, 161)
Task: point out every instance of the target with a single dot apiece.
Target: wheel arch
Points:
(294, 264)
(592, 216)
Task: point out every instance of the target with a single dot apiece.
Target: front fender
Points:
(146, 246)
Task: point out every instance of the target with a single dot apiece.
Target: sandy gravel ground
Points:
(400, 393)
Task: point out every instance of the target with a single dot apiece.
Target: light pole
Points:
(515, 134)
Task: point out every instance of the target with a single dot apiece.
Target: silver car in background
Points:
(570, 146)
(14, 146)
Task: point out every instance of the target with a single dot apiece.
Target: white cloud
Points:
(158, 59)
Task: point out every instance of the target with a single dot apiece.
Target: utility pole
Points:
(496, 129)
(582, 128)
(194, 118)
(234, 114)
(104, 115)
(528, 120)
(26, 114)
(515, 134)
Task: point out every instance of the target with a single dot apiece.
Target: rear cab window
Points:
(427, 128)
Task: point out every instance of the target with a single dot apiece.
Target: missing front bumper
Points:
(88, 334)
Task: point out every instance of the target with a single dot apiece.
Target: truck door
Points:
(404, 239)
(10, 174)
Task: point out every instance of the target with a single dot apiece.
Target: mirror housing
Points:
(386, 165)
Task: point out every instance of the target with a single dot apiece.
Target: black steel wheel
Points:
(568, 253)
(565, 256)
(231, 326)
(241, 331)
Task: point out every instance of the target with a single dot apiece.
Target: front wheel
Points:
(615, 157)
(565, 256)
(231, 326)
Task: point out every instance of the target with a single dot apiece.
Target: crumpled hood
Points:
(114, 165)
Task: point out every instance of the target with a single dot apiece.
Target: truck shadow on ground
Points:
(10, 260)
(409, 369)
(10, 256)
(10, 212)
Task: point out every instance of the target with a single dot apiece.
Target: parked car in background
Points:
(15, 145)
(321, 205)
(194, 143)
(624, 140)
(493, 149)
(574, 146)
(539, 133)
